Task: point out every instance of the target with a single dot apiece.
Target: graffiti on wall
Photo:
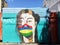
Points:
(25, 24)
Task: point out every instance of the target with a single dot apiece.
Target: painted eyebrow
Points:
(30, 18)
(21, 18)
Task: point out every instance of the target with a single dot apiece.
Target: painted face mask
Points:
(26, 27)
(25, 30)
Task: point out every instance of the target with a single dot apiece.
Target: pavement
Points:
(25, 44)
(17, 44)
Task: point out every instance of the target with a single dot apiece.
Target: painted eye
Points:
(20, 21)
(30, 21)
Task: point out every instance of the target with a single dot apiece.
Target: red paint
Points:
(21, 26)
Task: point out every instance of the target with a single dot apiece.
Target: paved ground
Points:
(25, 44)
(16, 44)
(21, 44)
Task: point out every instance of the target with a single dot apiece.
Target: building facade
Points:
(4, 3)
(52, 4)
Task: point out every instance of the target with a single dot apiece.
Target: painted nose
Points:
(25, 26)
(26, 22)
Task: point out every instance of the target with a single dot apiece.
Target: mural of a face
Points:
(26, 25)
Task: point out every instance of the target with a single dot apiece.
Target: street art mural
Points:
(27, 25)
(26, 21)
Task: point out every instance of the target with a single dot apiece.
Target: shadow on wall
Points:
(59, 27)
(44, 34)
(47, 35)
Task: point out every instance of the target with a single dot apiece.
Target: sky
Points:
(25, 3)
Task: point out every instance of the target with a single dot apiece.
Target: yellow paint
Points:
(25, 31)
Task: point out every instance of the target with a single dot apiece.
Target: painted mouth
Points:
(26, 32)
